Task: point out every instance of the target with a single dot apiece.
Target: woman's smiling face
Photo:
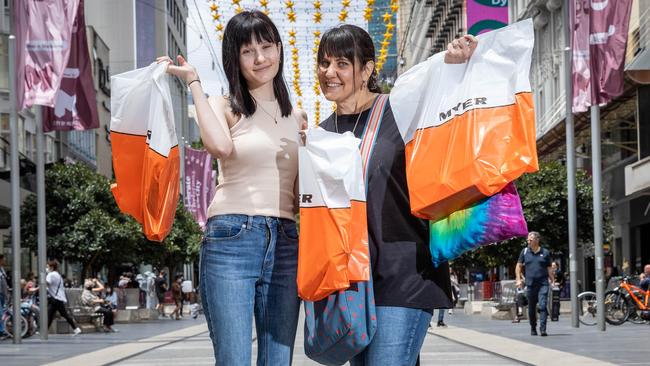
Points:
(339, 78)
(259, 62)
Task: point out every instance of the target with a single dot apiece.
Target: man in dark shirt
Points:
(537, 263)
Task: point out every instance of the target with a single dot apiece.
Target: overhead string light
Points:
(317, 19)
(343, 15)
(367, 12)
(388, 35)
(216, 18)
(264, 4)
(291, 16)
(237, 5)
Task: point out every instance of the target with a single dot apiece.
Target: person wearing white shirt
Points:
(56, 298)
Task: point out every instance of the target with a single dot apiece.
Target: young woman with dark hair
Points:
(250, 251)
(406, 284)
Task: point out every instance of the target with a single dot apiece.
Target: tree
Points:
(182, 245)
(83, 222)
(84, 225)
(544, 200)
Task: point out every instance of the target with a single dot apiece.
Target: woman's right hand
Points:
(183, 70)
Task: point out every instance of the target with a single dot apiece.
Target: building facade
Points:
(625, 141)
(377, 28)
(426, 27)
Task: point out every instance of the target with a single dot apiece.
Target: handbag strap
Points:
(370, 132)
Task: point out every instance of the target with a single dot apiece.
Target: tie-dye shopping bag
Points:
(493, 219)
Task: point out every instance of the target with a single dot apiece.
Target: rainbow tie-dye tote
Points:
(493, 219)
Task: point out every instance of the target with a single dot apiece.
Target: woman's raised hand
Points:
(460, 49)
(183, 70)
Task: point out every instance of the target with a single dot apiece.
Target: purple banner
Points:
(76, 102)
(486, 15)
(200, 183)
(43, 31)
(599, 38)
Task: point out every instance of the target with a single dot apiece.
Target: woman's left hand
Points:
(460, 49)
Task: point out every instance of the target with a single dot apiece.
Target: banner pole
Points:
(41, 224)
(571, 168)
(598, 215)
(15, 181)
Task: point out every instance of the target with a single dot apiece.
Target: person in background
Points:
(152, 298)
(111, 297)
(558, 275)
(537, 263)
(177, 295)
(142, 286)
(644, 278)
(56, 298)
(455, 289)
(188, 292)
(441, 318)
(4, 294)
(161, 288)
(90, 298)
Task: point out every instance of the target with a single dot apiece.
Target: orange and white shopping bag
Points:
(145, 149)
(469, 129)
(333, 247)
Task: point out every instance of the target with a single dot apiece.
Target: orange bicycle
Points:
(627, 302)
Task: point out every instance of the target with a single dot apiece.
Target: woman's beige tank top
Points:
(258, 177)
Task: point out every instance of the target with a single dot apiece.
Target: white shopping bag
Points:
(333, 247)
(468, 129)
(145, 148)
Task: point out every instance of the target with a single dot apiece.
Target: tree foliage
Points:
(544, 200)
(84, 224)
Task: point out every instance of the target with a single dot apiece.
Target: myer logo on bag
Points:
(465, 105)
(306, 198)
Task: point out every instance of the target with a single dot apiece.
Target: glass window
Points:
(4, 62)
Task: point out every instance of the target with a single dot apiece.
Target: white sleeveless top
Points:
(259, 176)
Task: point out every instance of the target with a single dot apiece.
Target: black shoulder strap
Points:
(59, 286)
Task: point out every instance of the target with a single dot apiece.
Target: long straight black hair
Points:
(353, 43)
(239, 32)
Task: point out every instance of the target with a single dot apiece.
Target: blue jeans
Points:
(537, 294)
(249, 266)
(441, 315)
(399, 337)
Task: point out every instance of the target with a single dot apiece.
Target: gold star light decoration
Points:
(367, 12)
(318, 15)
(216, 17)
(264, 4)
(295, 65)
(317, 92)
(237, 5)
(388, 35)
(343, 15)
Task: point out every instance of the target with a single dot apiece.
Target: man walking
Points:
(537, 263)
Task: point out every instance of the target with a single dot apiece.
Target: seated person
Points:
(111, 297)
(644, 278)
(99, 305)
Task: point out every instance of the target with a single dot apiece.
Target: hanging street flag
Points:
(599, 39)
(199, 184)
(76, 104)
(43, 33)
